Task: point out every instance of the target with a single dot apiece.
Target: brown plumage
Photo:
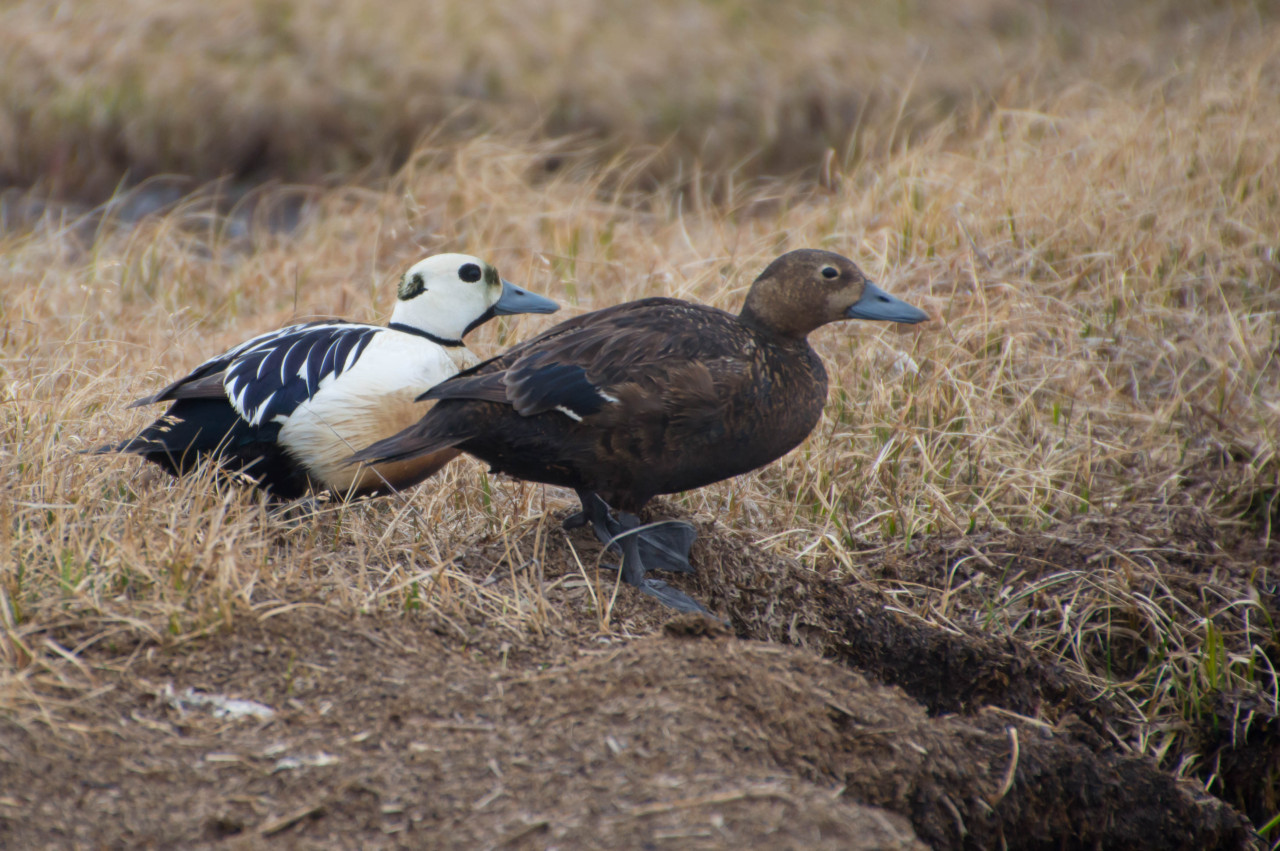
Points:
(653, 396)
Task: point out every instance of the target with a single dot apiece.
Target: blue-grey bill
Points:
(878, 304)
(519, 300)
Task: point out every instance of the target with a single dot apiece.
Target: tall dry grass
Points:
(1101, 263)
(92, 94)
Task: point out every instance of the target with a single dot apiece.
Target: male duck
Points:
(651, 397)
(288, 407)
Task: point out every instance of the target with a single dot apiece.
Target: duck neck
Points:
(423, 332)
(770, 332)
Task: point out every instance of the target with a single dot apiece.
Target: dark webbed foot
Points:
(596, 512)
(666, 545)
(671, 597)
(663, 546)
(634, 570)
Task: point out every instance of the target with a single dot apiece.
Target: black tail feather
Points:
(403, 446)
(195, 430)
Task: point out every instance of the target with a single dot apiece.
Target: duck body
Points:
(651, 397)
(286, 408)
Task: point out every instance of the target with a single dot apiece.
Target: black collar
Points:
(480, 320)
(409, 329)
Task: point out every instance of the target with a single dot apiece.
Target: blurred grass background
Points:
(93, 94)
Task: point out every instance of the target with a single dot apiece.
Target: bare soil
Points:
(824, 716)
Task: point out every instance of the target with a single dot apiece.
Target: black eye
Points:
(830, 272)
(469, 273)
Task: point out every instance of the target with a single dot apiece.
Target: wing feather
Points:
(273, 377)
(205, 381)
(618, 356)
(268, 376)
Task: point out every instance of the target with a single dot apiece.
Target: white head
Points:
(446, 295)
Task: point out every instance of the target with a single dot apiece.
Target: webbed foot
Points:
(634, 569)
(671, 597)
(661, 546)
(664, 545)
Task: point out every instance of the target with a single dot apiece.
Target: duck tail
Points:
(134, 445)
(173, 460)
(409, 443)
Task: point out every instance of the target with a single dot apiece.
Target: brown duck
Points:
(651, 397)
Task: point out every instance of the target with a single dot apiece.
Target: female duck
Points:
(651, 397)
(288, 407)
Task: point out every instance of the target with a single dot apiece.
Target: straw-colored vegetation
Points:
(1090, 216)
(273, 89)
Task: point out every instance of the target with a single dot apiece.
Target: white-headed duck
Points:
(652, 397)
(288, 407)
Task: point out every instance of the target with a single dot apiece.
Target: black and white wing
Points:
(269, 375)
(272, 378)
(205, 381)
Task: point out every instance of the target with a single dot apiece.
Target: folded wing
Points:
(270, 375)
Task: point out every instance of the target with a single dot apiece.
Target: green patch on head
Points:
(491, 276)
(411, 286)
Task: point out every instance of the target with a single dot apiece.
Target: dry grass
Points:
(91, 94)
(1101, 261)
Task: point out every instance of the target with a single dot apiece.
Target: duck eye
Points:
(470, 273)
(830, 272)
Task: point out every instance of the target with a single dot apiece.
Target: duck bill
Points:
(879, 305)
(519, 300)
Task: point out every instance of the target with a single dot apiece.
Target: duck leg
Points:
(596, 512)
(641, 550)
(634, 570)
(663, 546)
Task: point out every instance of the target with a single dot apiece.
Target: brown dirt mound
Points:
(387, 735)
(1172, 561)
(774, 599)
(1212, 582)
(1188, 566)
